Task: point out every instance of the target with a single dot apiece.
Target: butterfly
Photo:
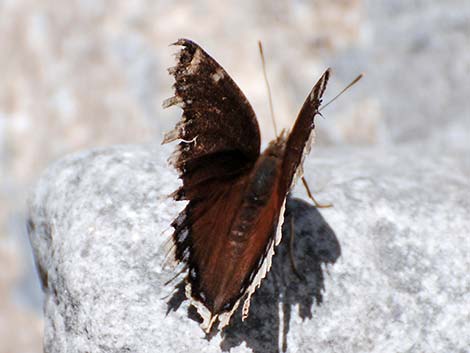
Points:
(227, 233)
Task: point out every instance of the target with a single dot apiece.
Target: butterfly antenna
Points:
(353, 82)
(267, 86)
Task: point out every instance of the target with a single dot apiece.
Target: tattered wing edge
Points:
(266, 266)
(299, 172)
(224, 318)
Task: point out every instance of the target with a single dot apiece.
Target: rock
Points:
(99, 226)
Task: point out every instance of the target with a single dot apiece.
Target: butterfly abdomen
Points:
(260, 189)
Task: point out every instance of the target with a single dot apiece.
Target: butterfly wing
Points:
(220, 145)
(291, 153)
(218, 127)
(300, 138)
(265, 196)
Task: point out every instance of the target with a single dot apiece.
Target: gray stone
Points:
(99, 225)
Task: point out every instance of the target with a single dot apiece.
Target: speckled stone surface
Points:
(99, 222)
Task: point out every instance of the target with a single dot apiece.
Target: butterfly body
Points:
(227, 233)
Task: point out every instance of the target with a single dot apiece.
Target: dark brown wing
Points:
(220, 145)
(218, 126)
(298, 143)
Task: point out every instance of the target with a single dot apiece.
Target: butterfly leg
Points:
(309, 193)
(291, 250)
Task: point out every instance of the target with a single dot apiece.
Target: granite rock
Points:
(99, 225)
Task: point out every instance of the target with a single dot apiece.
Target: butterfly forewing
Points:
(300, 138)
(217, 117)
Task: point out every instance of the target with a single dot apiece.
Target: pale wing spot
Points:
(194, 64)
(218, 75)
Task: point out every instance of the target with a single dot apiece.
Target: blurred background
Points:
(80, 74)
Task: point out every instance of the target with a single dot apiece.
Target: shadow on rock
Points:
(314, 243)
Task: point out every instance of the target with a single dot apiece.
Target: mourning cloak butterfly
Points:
(227, 233)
